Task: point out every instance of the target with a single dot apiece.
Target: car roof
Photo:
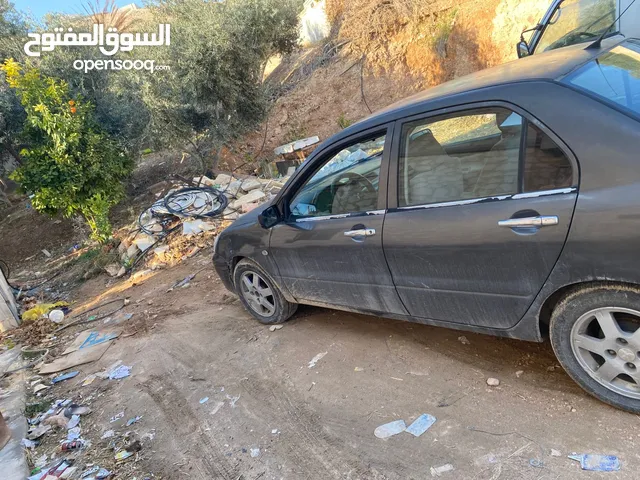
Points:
(547, 66)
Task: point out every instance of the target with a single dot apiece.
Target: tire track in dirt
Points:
(184, 425)
(320, 455)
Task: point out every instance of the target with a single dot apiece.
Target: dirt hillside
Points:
(380, 52)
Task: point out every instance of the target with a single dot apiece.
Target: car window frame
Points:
(396, 149)
(562, 81)
(309, 169)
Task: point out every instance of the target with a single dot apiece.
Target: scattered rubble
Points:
(493, 382)
(437, 471)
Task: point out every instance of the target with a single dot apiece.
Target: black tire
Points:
(283, 310)
(565, 316)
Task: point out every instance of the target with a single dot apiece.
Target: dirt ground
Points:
(318, 422)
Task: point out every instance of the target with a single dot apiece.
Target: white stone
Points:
(203, 181)
(144, 241)
(222, 180)
(251, 183)
(252, 196)
(132, 251)
(493, 382)
(112, 269)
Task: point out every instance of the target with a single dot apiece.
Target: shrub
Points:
(70, 165)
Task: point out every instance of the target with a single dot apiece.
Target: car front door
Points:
(328, 250)
(480, 204)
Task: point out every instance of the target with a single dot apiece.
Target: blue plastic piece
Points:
(421, 424)
(597, 463)
(64, 376)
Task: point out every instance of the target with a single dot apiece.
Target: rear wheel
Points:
(260, 295)
(595, 333)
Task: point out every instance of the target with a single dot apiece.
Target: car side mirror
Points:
(523, 49)
(270, 217)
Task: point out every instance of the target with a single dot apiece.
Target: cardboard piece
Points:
(79, 357)
(91, 338)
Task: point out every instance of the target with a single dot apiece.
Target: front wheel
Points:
(260, 295)
(595, 333)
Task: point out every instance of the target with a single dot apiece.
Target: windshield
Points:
(576, 21)
(614, 76)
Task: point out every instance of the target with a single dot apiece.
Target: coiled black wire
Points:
(196, 202)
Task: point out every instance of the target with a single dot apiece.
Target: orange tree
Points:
(70, 166)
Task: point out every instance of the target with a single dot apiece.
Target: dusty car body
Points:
(491, 203)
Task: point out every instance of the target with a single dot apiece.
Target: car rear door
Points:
(480, 204)
(328, 250)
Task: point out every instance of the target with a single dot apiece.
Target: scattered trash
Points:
(38, 432)
(597, 463)
(74, 409)
(421, 424)
(555, 453)
(75, 420)
(117, 417)
(534, 462)
(91, 471)
(255, 452)
(123, 455)
(76, 358)
(316, 359)
(41, 310)
(133, 420)
(182, 283)
(119, 372)
(56, 316)
(217, 407)
(358, 369)
(102, 473)
(26, 443)
(464, 340)
(204, 400)
(88, 381)
(39, 388)
(390, 429)
(273, 328)
(493, 382)
(75, 445)
(69, 473)
(46, 252)
(437, 471)
(65, 376)
(107, 434)
(73, 434)
(275, 431)
(519, 373)
(233, 400)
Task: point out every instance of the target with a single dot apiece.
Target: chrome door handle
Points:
(540, 221)
(363, 232)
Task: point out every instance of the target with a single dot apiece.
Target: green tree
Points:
(13, 29)
(214, 90)
(70, 166)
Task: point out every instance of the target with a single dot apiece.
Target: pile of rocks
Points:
(244, 194)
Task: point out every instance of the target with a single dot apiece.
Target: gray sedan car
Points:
(506, 202)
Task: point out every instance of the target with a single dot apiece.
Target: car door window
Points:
(546, 167)
(347, 182)
(468, 155)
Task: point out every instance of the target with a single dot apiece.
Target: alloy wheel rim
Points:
(257, 293)
(606, 343)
